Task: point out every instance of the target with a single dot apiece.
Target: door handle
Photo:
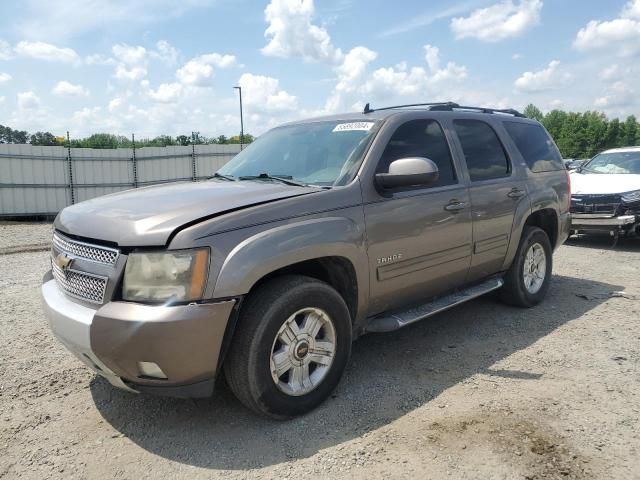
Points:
(455, 206)
(516, 193)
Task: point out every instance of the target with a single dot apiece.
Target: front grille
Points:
(86, 251)
(606, 205)
(82, 285)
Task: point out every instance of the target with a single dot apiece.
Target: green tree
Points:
(183, 140)
(631, 131)
(531, 111)
(43, 138)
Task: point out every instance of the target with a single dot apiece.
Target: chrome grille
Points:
(82, 285)
(86, 251)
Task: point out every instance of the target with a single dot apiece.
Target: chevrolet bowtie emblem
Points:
(63, 261)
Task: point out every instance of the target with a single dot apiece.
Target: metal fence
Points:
(41, 181)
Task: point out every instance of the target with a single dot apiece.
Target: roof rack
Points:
(447, 107)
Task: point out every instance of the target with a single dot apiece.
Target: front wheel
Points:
(527, 280)
(291, 346)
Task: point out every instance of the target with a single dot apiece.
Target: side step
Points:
(393, 321)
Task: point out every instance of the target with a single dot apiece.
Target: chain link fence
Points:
(39, 181)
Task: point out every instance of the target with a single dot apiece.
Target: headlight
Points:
(166, 276)
(631, 197)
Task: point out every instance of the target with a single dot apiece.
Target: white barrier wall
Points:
(43, 180)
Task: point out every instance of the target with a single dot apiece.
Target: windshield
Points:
(614, 162)
(319, 153)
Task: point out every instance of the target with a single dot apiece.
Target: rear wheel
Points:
(291, 346)
(527, 280)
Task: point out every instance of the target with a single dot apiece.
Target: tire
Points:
(261, 339)
(517, 290)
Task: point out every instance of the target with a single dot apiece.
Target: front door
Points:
(419, 239)
(495, 193)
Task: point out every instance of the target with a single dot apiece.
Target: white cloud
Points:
(612, 72)
(115, 104)
(123, 72)
(199, 70)
(498, 22)
(516, 56)
(549, 78)
(4, 77)
(2, 99)
(99, 59)
(263, 93)
(427, 19)
(5, 50)
(390, 82)
(46, 51)
(67, 89)
(165, 52)
(292, 34)
(167, 92)
(620, 94)
(621, 36)
(631, 10)
(28, 101)
(131, 55)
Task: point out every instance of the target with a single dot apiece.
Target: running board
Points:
(394, 321)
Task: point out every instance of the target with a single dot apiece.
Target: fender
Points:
(279, 247)
(539, 199)
(523, 211)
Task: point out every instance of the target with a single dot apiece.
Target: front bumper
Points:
(184, 341)
(595, 222)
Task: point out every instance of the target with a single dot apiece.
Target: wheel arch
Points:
(330, 249)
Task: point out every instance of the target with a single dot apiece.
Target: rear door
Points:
(419, 239)
(495, 191)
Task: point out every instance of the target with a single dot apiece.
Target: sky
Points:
(155, 67)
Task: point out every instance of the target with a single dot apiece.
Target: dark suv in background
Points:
(319, 232)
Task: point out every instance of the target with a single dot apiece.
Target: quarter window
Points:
(420, 138)
(483, 152)
(535, 146)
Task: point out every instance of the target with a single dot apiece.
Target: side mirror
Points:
(409, 172)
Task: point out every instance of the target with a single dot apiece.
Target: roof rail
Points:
(368, 109)
(448, 107)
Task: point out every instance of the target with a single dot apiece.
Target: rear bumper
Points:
(592, 222)
(183, 341)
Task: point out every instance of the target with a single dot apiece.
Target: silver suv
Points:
(319, 232)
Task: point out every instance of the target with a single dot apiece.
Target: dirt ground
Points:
(483, 391)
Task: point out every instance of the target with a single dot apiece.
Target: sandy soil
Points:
(481, 391)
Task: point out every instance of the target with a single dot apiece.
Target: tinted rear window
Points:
(482, 150)
(535, 146)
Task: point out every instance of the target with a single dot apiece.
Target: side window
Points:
(535, 146)
(482, 150)
(420, 138)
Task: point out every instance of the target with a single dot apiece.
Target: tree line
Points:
(582, 135)
(577, 134)
(108, 140)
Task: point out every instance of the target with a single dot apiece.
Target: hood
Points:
(603, 183)
(148, 216)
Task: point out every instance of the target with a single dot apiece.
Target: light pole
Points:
(241, 122)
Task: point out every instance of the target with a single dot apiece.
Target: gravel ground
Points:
(481, 391)
(21, 234)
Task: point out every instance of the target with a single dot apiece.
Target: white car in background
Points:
(605, 193)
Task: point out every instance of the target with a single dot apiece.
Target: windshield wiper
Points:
(224, 177)
(287, 179)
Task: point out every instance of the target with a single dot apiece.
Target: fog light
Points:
(150, 369)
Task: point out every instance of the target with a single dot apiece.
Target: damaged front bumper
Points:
(165, 350)
(604, 223)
